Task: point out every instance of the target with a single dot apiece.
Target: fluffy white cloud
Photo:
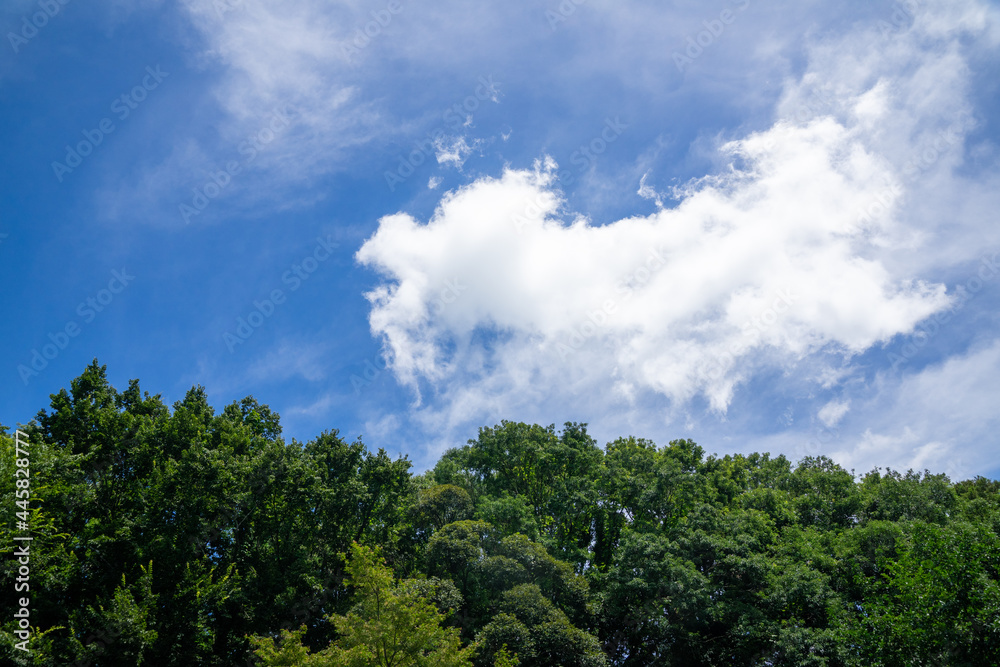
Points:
(763, 262)
(503, 300)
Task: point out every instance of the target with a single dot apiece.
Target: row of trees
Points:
(188, 537)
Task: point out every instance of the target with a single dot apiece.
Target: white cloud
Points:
(263, 60)
(646, 191)
(383, 427)
(943, 419)
(288, 54)
(831, 413)
(275, 53)
(786, 254)
(765, 262)
(453, 152)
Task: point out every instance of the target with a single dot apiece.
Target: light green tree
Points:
(393, 624)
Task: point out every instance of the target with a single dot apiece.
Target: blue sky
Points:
(763, 226)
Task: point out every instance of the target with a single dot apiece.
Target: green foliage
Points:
(509, 514)
(897, 497)
(934, 598)
(181, 535)
(552, 475)
(537, 632)
(128, 637)
(483, 565)
(167, 536)
(823, 493)
(440, 505)
(392, 624)
(503, 658)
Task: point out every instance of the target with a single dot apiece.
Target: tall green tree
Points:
(392, 624)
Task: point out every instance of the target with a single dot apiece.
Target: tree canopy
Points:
(183, 535)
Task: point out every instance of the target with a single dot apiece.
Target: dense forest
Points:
(186, 536)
